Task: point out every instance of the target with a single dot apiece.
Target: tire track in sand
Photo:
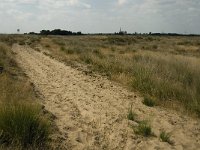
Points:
(91, 111)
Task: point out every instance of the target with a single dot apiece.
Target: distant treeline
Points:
(146, 34)
(56, 32)
(173, 34)
(65, 32)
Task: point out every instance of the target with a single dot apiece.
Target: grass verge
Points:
(21, 125)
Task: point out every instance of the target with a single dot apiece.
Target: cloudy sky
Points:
(93, 16)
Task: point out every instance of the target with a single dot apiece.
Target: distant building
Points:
(122, 32)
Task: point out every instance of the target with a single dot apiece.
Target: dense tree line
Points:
(57, 32)
(65, 32)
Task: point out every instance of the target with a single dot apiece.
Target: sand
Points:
(91, 112)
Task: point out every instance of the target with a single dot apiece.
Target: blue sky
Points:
(93, 16)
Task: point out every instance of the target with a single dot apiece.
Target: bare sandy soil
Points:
(92, 112)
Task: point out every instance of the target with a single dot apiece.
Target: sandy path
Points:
(91, 111)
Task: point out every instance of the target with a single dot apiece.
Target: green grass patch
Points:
(131, 115)
(21, 125)
(165, 137)
(144, 129)
(149, 102)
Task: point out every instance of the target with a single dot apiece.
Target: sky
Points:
(101, 16)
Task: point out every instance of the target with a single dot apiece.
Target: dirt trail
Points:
(92, 111)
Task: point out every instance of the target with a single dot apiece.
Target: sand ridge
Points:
(92, 112)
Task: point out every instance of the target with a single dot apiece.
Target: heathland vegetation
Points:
(164, 69)
(22, 124)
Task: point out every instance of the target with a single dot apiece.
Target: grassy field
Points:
(163, 69)
(22, 125)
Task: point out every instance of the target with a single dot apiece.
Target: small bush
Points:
(148, 102)
(143, 129)
(131, 115)
(21, 125)
(165, 137)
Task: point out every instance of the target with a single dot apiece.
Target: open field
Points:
(103, 92)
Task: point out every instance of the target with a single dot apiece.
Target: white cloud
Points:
(121, 2)
(101, 15)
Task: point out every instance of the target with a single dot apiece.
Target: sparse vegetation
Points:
(149, 101)
(143, 129)
(154, 66)
(165, 137)
(131, 115)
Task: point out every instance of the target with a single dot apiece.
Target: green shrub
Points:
(144, 129)
(148, 102)
(21, 125)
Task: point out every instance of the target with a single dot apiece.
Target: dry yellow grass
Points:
(163, 67)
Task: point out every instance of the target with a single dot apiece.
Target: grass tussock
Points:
(165, 137)
(149, 101)
(131, 115)
(22, 126)
(143, 129)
